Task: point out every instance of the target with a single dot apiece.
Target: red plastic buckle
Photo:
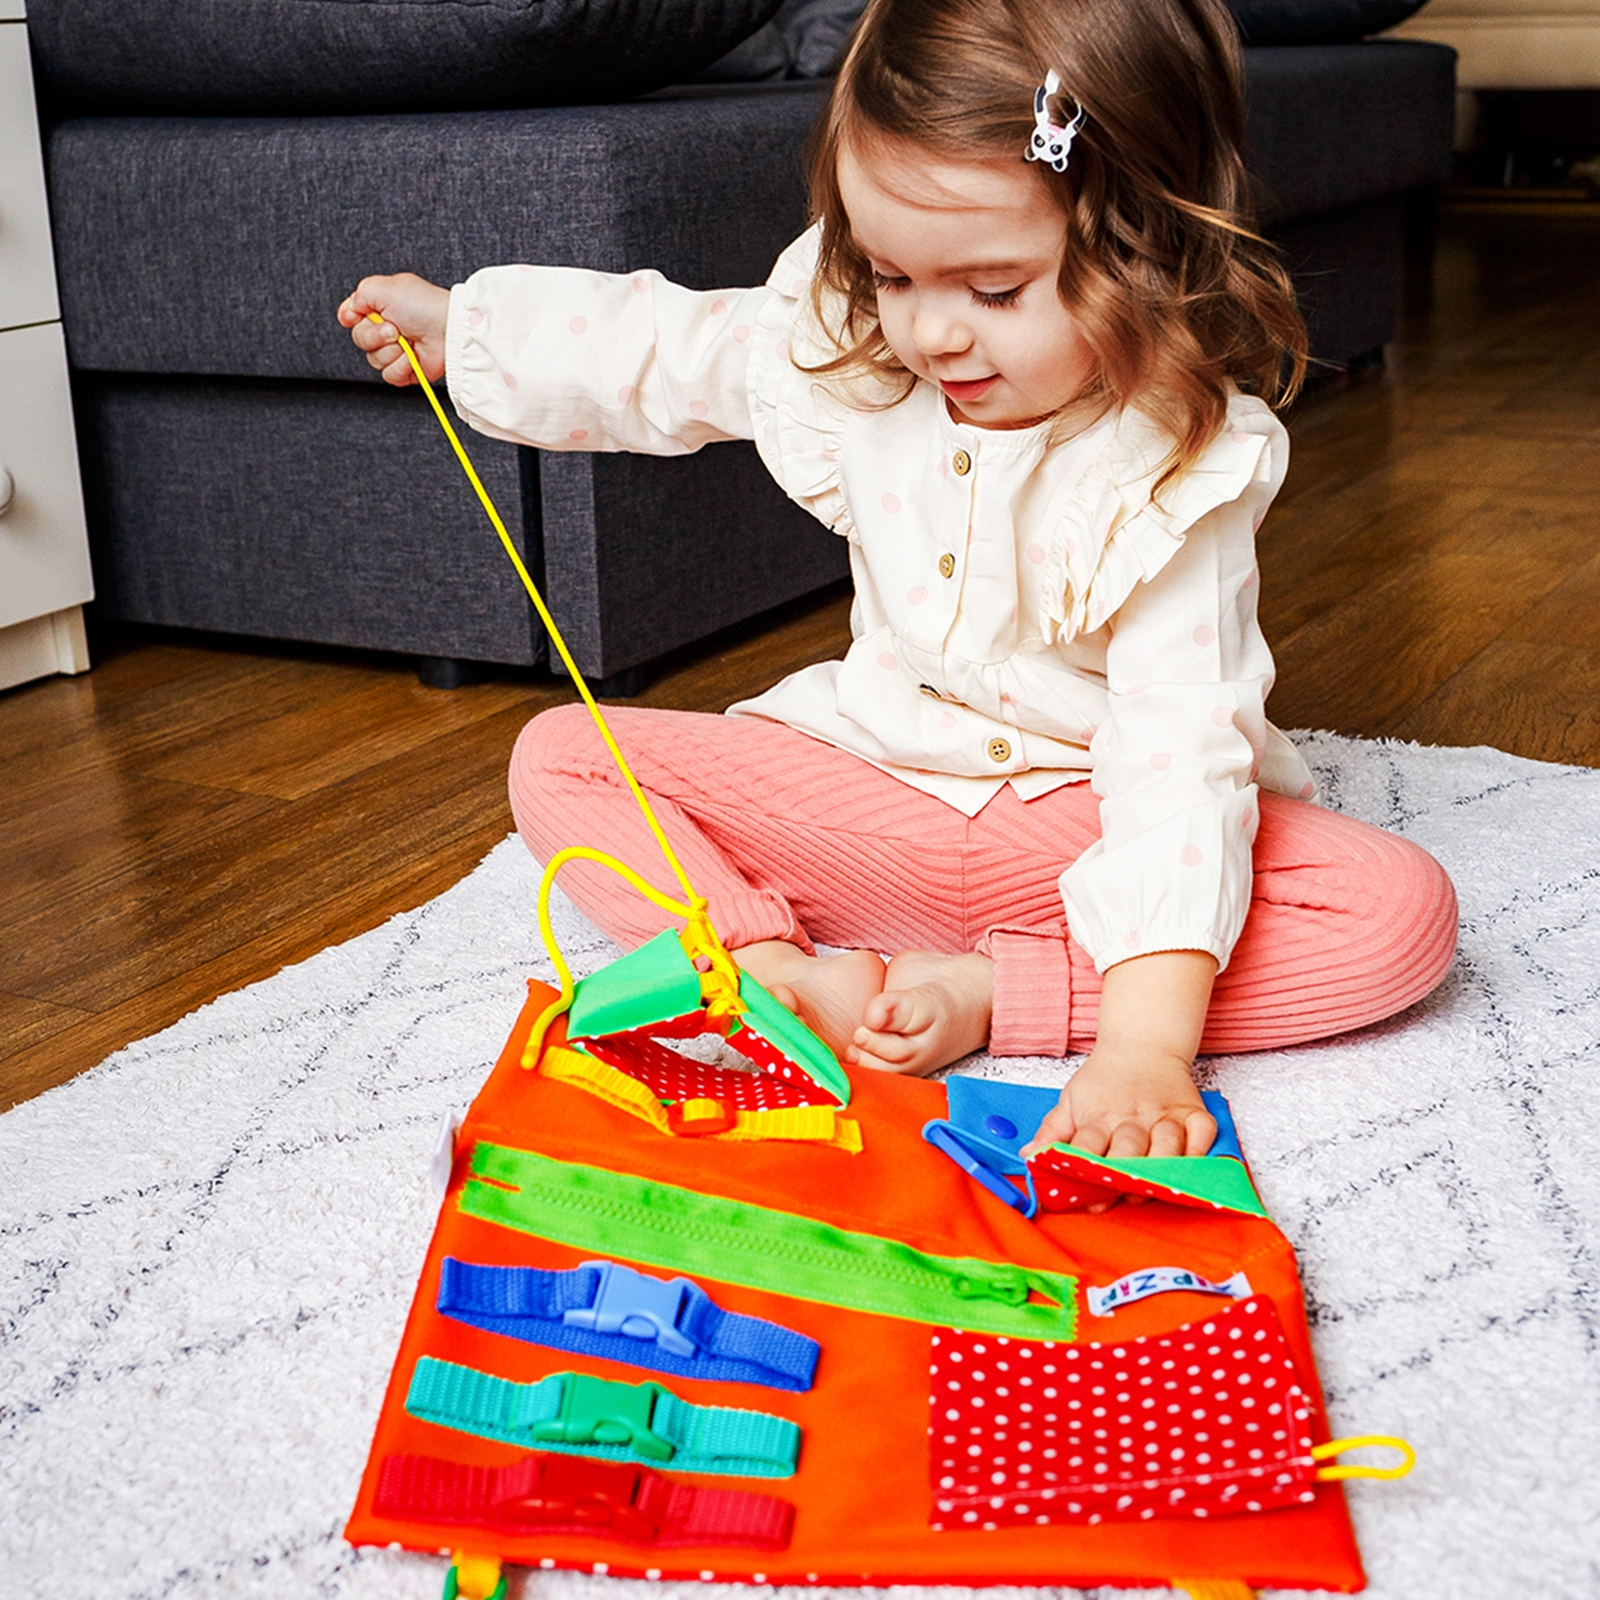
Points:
(574, 1492)
(700, 1116)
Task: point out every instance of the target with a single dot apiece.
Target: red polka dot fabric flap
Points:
(673, 1077)
(1207, 1421)
(1068, 1179)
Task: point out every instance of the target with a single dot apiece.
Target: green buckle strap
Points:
(594, 1411)
(576, 1414)
(621, 1216)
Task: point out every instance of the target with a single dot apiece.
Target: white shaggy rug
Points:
(208, 1243)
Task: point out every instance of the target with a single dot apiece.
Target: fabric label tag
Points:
(1160, 1280)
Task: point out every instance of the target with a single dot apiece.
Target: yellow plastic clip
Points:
(1337, 1447)
(474, 1578)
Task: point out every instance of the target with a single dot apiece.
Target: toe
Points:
(895, 1055)
(890, 1046)
(785, 996)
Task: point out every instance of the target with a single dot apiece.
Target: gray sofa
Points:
(247, 474)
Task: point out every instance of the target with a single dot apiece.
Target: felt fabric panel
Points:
(255, 56)
(865, 1420)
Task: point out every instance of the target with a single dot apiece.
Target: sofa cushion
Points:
(1317, 21)
(1332, 125)
(271, 56)
(224, 244)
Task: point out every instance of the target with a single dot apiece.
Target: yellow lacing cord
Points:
(719, 975)
(1337, 1447)
(1235, 1589)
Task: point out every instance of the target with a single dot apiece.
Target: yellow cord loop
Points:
(1337, 1447)
(719, 976)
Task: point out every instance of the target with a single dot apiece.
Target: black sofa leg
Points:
(445, 672)
(624, 685)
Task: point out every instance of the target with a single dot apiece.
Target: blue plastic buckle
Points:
(629, 1303)
(986, 1163)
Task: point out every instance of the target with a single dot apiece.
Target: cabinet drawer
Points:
(44, 549)
(27, 271)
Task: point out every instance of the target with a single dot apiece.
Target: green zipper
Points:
(663, 1225)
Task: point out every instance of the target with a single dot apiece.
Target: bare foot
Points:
(829, 994)
(933, 1010)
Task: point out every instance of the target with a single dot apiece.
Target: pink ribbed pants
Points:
(788, 838)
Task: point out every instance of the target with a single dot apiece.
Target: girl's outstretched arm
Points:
(416, 307)
(1135, 1095)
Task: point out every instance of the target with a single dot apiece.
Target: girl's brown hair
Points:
(1177, 296)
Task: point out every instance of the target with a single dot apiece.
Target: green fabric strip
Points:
(650, 985)
(1223, 1181)
(576, 1414)
(617, 1214)
(779, 1025)
(657, 983)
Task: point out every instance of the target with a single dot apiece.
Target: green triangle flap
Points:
(657, 983)
(1220, 1180)
(648, 986)
(782, 1028)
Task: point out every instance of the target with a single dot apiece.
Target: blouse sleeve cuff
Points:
(1184, 884)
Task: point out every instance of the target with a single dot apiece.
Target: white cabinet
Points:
(44, 547)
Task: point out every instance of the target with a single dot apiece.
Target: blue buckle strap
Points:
(605, 1309)
(637, 1307)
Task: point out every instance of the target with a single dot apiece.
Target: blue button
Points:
(1001, 1127)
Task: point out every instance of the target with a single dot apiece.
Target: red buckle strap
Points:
(576, 1495)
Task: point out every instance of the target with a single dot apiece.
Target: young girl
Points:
(1022, 362)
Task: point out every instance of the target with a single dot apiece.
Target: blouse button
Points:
(999, 749)
(962, 462)
(947, 565)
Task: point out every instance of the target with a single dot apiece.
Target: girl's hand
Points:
(1121, 1105)
(1135, 1096)
(405, 302)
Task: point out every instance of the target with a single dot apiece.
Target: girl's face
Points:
(965, 255)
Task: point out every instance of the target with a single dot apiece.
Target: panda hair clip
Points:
(1050, 142)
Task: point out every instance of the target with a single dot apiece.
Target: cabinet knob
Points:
(8, 489)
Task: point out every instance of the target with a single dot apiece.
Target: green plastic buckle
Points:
(598, 1411)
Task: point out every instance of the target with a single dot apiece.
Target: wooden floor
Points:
(194, 814)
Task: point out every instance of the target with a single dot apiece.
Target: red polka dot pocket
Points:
(1209, 1420)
